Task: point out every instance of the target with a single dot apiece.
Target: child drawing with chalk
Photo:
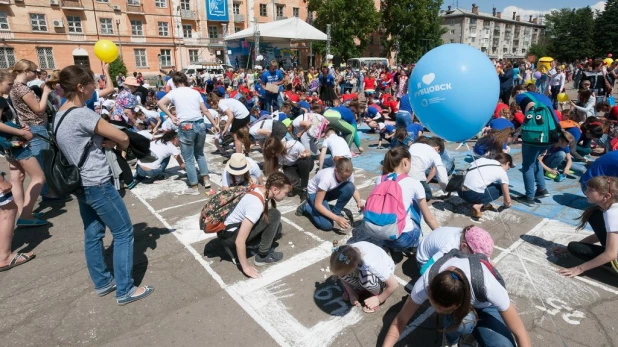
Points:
(366, 272)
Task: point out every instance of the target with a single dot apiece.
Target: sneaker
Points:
(524, 200)
(271, 257)
(129, 299)
(550, 175)
(191, 191)
(301, 208)
(206, 182)
(541, 193)
(560, 178)
(132, 184)
(104, 291)
(31, 222)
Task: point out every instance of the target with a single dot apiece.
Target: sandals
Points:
(15, 261)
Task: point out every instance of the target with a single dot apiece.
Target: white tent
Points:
(292, 29)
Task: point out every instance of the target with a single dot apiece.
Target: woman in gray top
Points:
(100, 205)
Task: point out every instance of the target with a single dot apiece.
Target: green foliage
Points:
(606, 30)
(539, 49)
(351, 21)
(571, 33)
(117, 67)
(412, 27)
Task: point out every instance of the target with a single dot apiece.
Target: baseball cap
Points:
(479, 241)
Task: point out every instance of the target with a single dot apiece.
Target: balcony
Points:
(134, 7)
(72, 4)
(138, 39)
(5, 2)
(76, 37)
(281, 18)
(239, 18)
(188, 14)
(216, 42)
(196, 41)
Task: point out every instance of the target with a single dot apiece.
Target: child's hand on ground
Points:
(251, 272)
(373, 302)
(342, 222)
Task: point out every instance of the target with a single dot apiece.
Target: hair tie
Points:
(344, 259)
(335, 249)
(454, 275)
(596, 123)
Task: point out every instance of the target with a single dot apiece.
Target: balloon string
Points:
(515, 251)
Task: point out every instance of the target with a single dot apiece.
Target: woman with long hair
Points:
(295, 160)
(100, 204)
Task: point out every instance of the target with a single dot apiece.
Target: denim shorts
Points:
(19, 153)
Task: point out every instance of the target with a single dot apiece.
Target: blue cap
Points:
(305, 105)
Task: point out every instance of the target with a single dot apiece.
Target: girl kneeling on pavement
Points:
(240, 170)
(486, 180)
(366, 272)
(335, 183)
(493, 321)
(295, 160)
(164, 149)
(246, 222)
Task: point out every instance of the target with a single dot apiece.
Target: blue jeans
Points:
(140, 173)
(101, 206)
(405, 241)
(343, 193)
(192, 150)
(37, 145)
(489, 330)
(532, 169)
(271, 100)
(491, 193)
(403, 119)
(555, 160)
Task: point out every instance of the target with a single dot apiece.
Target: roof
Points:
(484, 15)
(292, 29)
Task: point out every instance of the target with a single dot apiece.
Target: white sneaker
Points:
(191, 191)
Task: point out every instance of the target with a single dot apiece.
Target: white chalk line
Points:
(417, 322)
(181, 205)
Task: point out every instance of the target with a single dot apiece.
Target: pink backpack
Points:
(385, 215)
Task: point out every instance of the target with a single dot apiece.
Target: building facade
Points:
(492, 33)
(151, 34)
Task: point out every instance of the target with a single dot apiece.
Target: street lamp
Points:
(118, 31)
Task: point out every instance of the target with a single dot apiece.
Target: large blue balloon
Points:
(454, 90)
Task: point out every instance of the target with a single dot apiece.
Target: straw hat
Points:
(237, 165)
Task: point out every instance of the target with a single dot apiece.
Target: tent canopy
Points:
(292, 29)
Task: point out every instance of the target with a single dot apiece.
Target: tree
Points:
(606, 30)
(117, 67)
(539, 49)
(352, 23)
(411, 27)
(571, 33)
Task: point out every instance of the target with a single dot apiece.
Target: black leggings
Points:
(588, 251)
(299, 172)
(268, 232)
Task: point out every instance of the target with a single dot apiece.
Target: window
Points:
(7, 57)
(213, 33)
(296, 12)
(472, 21)
(4, 21)
(472, 39)
(161, 3)
(164, 29)
(194, 56)
(185, 4)
(279, 10)
(107, 28)
(523, 50)
(452, 32)
(37, 21)
(136, 28)
(75, 24)
(133, 2)
(140, 57)
(236, 8)
(46, 58)
(452, 41)
(166, 57)
(263, 10)
(237, 29)
(105, 1)
(452, 22)
(186, 30)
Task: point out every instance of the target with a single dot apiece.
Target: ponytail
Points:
(451, 288)
(277, 180)
(273, 148)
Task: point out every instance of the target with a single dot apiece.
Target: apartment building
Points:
(151, 34)
(494, 33)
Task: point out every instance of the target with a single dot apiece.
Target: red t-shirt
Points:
(292, 96)
(370, 83)
(519, 117)
(558, 115)
(244, 90)
(499, 109)
(233, 94)
(392, 104)
(613, 113)
(384, 98)
(351, 96)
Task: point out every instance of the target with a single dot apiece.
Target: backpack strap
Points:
(86, 152)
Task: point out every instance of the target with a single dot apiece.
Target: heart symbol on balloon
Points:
(428, 78)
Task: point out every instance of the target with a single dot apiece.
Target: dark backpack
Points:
(218, 207)
(540, 126)
(477, 279)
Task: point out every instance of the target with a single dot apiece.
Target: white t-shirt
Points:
(297, 120)
(248, 207)
(188, 103)
(437, 243)
(162, 151)
(497, 296)
(325, 180)
(293, 150)
(171, 84)
(411, 190)
(149, 113)
(254, 171)
(238, 109)
(337, 146)
(168, 125)
(375, 260)
(263, 124)
(424, 157)
(478, 179)
(213, 113)
(611, 219)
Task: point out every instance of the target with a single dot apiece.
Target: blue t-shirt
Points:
(329, 80)
(500, 124)
(372, 111)
(346, 114)
(554, 149)
(413, 130)
(388, 129)
(405, 104)
(272, 77)
(606, 165)
(161, 94)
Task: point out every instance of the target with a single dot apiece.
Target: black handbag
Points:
(62, 176)
(457, 179)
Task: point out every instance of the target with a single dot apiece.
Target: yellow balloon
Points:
(608, 61)
(563, 67)
(106, 51)
(563, 97)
